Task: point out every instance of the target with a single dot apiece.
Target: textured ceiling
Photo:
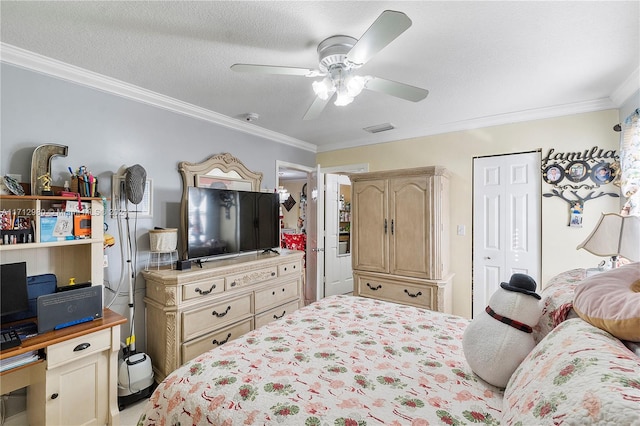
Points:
(483, 62)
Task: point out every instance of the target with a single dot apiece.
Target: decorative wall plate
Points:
(13, 185)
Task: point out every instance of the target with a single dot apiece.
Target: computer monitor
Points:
(13, 289)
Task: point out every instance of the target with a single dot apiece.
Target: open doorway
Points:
(292, 178)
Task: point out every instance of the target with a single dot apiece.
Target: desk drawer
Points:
(276, 295)
(407, 294)
(202, 289)
(250, 277)
(79, 347)
(197, 321)
(212, 340)
(276, 314)
(289, 268)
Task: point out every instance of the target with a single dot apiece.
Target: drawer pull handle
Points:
(413, 295)
(205, 292)
(233, 284)
(54, 396)
(278, 317)
(273, 274)
(215, 341)
(220, 315)
(374, 288)
(81, 347)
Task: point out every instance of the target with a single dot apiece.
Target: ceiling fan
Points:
(340, 56)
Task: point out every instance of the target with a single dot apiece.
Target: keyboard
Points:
(9, 339)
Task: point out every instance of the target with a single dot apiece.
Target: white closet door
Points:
(506, 222)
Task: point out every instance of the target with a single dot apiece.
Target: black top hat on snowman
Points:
(521, 283)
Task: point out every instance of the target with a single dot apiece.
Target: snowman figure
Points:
(499, 339)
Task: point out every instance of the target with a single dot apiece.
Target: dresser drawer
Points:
(197, 321)
(214, 339)
(276, 313)
(202, 289)
(289, 268)
(79, 347)
(276, 295)
(417, 295)
(250, 277)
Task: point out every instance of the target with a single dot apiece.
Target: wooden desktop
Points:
(75, 379)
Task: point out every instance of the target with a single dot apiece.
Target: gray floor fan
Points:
(135, 374)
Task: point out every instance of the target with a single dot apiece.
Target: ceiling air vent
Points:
(379, 128)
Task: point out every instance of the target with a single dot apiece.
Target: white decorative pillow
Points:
(577, 375)
(611, 301)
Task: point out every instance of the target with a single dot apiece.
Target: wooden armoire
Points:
(400, 226)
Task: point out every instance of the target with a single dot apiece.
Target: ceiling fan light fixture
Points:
(343, 98)
(355, 84)
(324, 88)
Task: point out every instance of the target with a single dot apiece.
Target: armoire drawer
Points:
(276, 295)
(276, 314)
(197, 321)
(78, 347)
(417, 295)
(202, 289)
(214, 339)
(252, 277)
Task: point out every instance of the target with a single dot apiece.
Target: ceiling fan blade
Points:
(389, 25)
(272, 69)
(399, 90)
(316, 108)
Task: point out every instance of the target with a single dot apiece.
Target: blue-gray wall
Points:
(104, 132)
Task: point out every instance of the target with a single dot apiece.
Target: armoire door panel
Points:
(370, 226)
(409, 206)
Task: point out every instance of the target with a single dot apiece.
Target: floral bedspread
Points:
(577, 375)
(343, 360)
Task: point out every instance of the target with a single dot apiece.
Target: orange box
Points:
(82, 225)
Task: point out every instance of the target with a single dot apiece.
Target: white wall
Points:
(455, 151)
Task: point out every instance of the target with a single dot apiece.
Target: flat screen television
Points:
(225, 222)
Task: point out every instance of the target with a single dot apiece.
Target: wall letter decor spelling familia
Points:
(576, 177)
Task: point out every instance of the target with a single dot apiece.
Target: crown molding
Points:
(34, 62)
(489, 121)
(628, 87)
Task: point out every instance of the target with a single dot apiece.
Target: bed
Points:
(347, 360)
(343, 360)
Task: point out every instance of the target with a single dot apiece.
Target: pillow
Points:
(556, 300)
(577, 375)
(611, 301)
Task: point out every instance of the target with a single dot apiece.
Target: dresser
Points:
(189, 312)
(400, 231)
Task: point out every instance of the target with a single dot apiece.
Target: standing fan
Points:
(340, 56)
(135, 375)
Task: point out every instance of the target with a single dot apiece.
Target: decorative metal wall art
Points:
(576, 177)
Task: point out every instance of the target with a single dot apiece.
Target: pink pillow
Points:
(611, 301)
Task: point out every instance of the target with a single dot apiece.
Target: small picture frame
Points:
(602, 174)
(575, 219)
(553, 174)
(577, 171)
(23, 222)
